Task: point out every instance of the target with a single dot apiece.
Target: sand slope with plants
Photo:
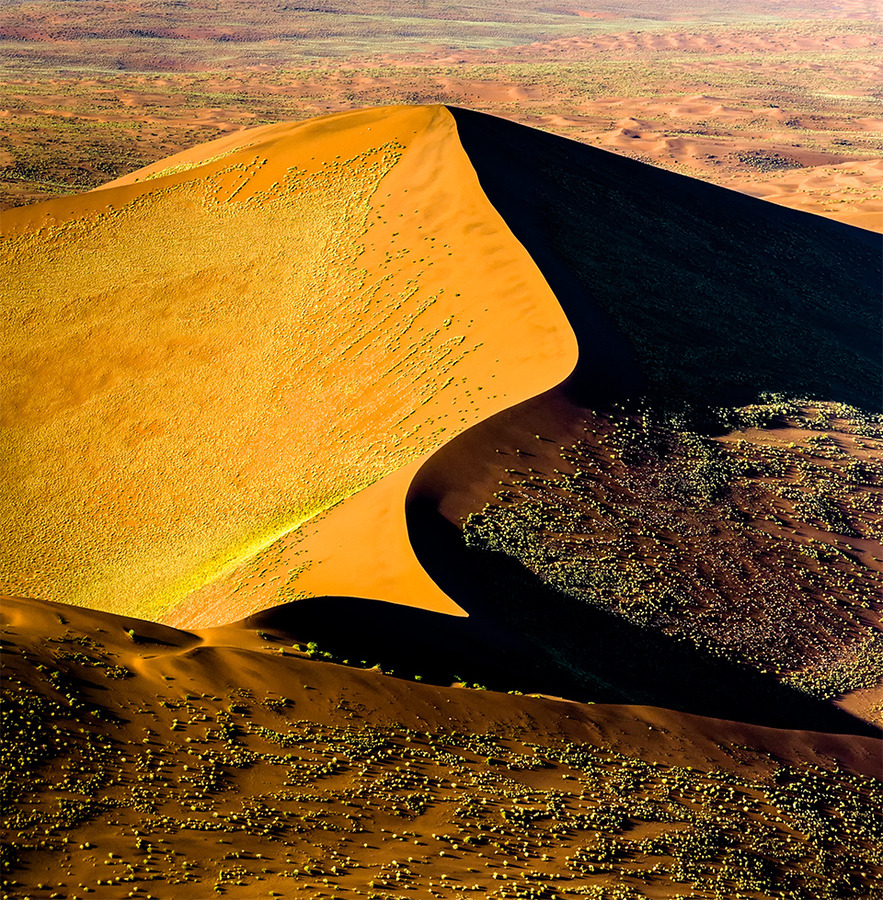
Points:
(211, 352)
(248, 762)
(300, 361)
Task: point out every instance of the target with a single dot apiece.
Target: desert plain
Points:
(443, 450)
(780, 100)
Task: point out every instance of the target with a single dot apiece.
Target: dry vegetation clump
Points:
(184, 787)
(764, 161)
(756, 545)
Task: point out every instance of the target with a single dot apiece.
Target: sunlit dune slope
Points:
(360, 548)
(207, 353)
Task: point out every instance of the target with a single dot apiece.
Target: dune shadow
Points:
(576, 650)
(680, 287)
(401, 640)
(523, 636)
(676, 289)
(147, 640)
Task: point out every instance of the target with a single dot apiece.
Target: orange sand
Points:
(849, 192)
(334, 815)
(208, 353)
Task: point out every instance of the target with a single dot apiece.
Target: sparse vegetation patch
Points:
(748, 545)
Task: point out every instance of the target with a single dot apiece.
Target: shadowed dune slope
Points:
(206, 354)
(721, 295)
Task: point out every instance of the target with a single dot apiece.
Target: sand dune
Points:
(268, 391)
(710, 42)
(200, 429)
(234, 340)
(703, 150)
(230, 761)
(254, 360)
(829, 191)
(337, 554)
(745, 307)
(159, 650)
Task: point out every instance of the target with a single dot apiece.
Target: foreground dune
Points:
(237, 761)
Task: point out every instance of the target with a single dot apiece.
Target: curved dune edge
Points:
(361, 547)
(528, 438)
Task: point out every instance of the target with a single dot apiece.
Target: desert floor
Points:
(785, 107)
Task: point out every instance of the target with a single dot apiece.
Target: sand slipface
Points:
(206, 354)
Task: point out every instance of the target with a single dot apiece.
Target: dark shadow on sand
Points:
(708, 295)
(675, 288)
(522, 635)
